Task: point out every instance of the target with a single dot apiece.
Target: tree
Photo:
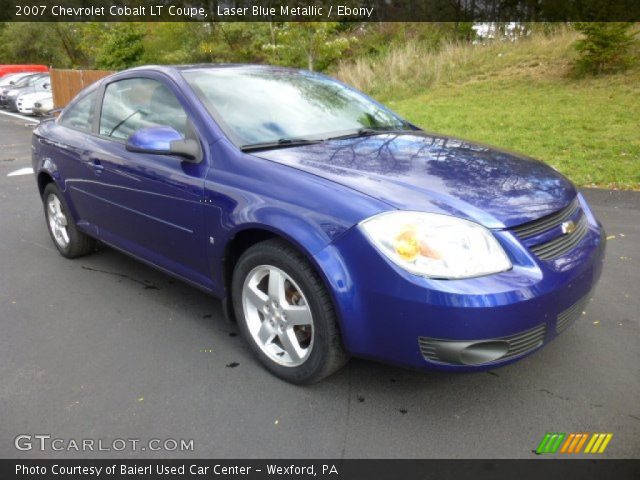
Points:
(236, 42)
(604, 48)
(174, 43)
(57, 44)
(121, 46)
(313, 45)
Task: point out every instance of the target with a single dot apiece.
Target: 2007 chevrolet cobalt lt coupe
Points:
(327, 224)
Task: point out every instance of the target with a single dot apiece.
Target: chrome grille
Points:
(571, 314)
(518, 344)
(560, 245)
(548, 222)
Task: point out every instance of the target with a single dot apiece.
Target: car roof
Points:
(217, 66)
(174, 71)
(206, 66)
(9, 76)
(30, 78)
(34, 75)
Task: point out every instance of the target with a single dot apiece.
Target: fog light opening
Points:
(483, 352)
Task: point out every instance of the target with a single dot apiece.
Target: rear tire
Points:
(286, 314)
(69, 241)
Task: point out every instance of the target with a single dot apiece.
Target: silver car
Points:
(32, 83)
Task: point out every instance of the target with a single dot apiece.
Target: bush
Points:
(604, 48)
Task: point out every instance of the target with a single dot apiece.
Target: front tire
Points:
(285, 313)
(69, 241)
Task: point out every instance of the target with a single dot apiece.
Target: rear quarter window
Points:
(80, 114)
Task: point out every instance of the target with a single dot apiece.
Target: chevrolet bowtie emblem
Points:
(568, 227)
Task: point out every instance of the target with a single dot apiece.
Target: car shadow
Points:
(204, 311)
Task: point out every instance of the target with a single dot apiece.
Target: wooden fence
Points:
(65, 84)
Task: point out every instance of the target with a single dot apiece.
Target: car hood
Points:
(433, 173)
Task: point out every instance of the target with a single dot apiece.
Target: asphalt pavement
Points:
(105, 348)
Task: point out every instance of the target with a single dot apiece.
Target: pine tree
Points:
(604, 48)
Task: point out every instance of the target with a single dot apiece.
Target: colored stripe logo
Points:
(598, 443)
(555, 442)
(550, 443)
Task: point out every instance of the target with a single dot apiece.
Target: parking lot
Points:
(103, 347)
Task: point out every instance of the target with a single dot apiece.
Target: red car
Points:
(7, 69)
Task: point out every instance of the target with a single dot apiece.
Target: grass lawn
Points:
(588, 129)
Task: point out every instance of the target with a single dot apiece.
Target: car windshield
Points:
(261, 106)
(27, 81)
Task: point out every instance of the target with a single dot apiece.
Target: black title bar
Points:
(320, 10)
(547, 469)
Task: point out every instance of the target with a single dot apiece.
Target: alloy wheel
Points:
(57, 221)
(278, 315)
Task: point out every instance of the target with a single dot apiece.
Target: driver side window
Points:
(132, 104)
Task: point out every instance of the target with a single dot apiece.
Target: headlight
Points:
(437, 246)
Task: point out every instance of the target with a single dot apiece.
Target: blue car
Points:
(329, 226)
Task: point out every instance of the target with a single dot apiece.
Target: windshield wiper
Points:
(121, 122)
(292, 142)
(283, 142)
(368, 131)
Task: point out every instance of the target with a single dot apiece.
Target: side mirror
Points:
(164, 141)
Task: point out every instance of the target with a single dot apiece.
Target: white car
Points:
(26, 101)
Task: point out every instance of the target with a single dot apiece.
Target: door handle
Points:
(97, 166)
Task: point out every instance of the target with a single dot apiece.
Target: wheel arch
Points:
(245, 238)
(44, 178)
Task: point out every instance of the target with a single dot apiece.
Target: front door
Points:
(156, 201)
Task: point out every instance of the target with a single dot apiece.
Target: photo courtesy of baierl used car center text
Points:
(354, 239)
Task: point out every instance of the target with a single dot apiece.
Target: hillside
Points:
(520, 96)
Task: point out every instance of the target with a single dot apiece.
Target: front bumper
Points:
(391, 315)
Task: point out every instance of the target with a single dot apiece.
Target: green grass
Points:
(519, 96)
